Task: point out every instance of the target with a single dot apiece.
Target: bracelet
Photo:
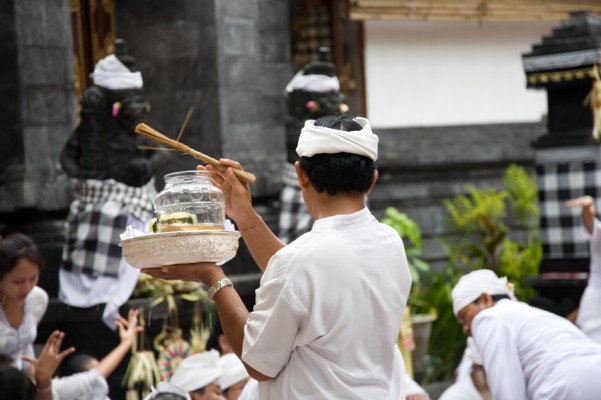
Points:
(217, 286)
(46, 389)
(253, 226)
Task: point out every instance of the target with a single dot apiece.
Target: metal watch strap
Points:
(217, 286)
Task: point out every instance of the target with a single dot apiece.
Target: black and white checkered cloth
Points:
(563, 174)
(96, 217)
(294, 219)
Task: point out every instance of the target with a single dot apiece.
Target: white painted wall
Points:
(450, 73)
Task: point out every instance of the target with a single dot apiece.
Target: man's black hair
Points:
(340, 172)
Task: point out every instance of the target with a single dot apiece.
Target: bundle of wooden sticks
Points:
(150, 133)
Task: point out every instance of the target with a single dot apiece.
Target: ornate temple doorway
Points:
(315, 23)
(93, 27)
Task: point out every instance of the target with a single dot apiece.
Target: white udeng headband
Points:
(472, 285)
(110, 73)
(320, 140)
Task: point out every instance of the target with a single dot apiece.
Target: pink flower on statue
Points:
(116, 108)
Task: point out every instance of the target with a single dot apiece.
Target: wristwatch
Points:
(217, 286)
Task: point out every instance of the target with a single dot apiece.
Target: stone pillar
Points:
(568, 159)
(37, 103)
(229, 59)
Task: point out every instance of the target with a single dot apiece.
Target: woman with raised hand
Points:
(23, 303)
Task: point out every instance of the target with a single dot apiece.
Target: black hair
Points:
(5, 359)
(494, 297)
(339, 172)
(15, 384)
(213, 340)
(15, 247)
(167, 396)
(77, 363)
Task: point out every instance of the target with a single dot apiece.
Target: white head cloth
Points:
(472, 285)
(165, 387)
(313, 83)
(197, 371)
(110, 73)
(320, 140)
(232, 370)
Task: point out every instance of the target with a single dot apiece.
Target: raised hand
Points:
(49, 360)
(128, 328)
(238, 201)
(588, 210)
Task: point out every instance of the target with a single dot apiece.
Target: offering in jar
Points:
(189, 201)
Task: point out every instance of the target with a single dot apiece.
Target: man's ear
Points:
(303, 179)
(373, 182)
(486, 300)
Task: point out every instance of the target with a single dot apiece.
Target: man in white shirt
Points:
(527, 353)
(589, 313)
(330, 304)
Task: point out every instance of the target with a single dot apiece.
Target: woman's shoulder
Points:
(38, 295)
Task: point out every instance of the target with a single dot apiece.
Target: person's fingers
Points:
(580, 201)
(230, 163)
(29, 359)
(50, 341)
(59, 341)
(62, 355)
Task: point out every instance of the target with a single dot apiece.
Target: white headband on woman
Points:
(110, 73)
(320, 140)
(472, 285)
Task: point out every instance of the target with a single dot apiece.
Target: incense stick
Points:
(147, 131)
(181, 130)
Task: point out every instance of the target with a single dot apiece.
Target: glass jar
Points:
(189, 201)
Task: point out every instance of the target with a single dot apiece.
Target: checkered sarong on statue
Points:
(564, 174)
(294, 219)
(96, 217)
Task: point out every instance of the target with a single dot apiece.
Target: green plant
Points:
(410, 231)
(498, 229)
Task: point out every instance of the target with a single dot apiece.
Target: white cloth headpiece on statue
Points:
(165, 387)
(110, 73)
(472, 285)
(232, 370)
(197, 371)
(321, 140)
(317, 83)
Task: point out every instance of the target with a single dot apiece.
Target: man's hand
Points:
(49, 360)
(588, 210)
(238, 200)
(206, 273)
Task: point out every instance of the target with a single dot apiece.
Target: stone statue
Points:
(312, 93)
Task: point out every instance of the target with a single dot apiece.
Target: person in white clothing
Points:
(233, 376)
(527, 353)
(470, 382)
(311, 332)
(589, 312)
(22, 303)
(198, 374)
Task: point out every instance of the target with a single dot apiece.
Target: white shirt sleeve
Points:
(504, 373)
(272, 326)
(89, 385)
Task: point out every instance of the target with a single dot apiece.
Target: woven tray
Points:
(185, 247)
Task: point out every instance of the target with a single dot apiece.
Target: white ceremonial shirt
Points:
(328, 313)
(19, 342)
(589, 313)
(88, 385)
(532, 354)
